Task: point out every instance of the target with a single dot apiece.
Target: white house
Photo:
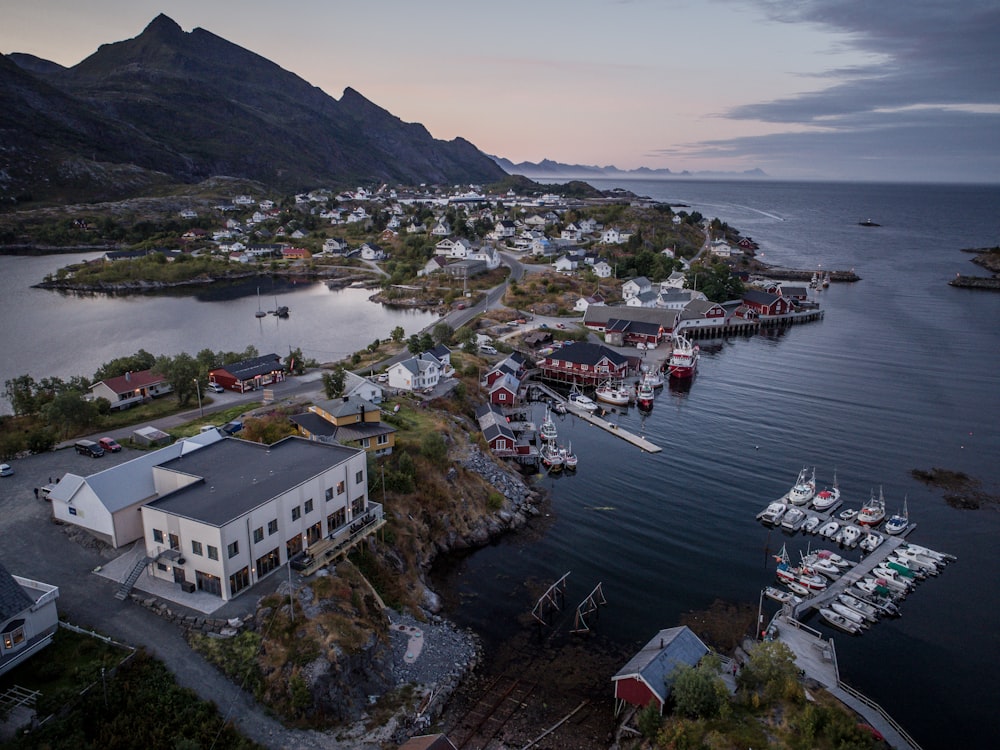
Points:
(434, 265)
(371, 251)
(582, 303)
(589, 226)
(674, 281)
(602, 269)
(232, 513)
(635, 286)
(28, 618)
(678, 299)
(643, 299)
(336, 245)
(131, 388)
(415, 373)
(571, 232)
(487, 254)
(106, 503)
(614, 236)
(364, 388)
(441, 228)
(504, 229)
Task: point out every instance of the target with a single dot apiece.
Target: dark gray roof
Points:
(601, 314)
(761, 298)
(667, 650)
(585, 353)
(634, 326)
(314, 424)
(13, 598)
(238, 476)
(251, 368)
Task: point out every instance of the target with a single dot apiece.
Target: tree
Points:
(397, 334)
(413, 344)
(295, 362)
(71, 411)
(443, 333)
(141, 360)
(181, 372)
(771, 670)
(333, 382)
(699, 692)
(20, 391)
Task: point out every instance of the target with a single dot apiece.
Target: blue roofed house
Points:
(28, 617)
(647, 676)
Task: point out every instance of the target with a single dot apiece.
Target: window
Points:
(258, 534)
(366, 443)
(233, 549)
(359, 477)
(341, 486)
(213, 552)
(239, 580)
(329, 493)
(296, 513)
(309, 505)
(158, 536)
(161, 567)
(14, 636)
(196, 548)
(382, 440)
(272, 527)
(335, 520)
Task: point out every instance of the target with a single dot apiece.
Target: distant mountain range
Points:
(547, 169)
(172, 106)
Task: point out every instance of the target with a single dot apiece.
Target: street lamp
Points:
(197, 387)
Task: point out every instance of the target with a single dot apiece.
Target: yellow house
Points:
(350, 420)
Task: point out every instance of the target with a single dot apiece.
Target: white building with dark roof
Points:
(28, 618)
(230, 514)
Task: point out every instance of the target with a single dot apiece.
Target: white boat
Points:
(892, 578)
(851, 536)
(683, 362)
(898, 522)
(552, 459)
(871, 540)
(851, 614)
(798, 589)
(848, 515)
(882, 603)
(833, 557)
(583, 402)
(942, 556)
(818, 564)
(866, 610)
(644, 395)
(873, 511)
(828, 497)
(829, 529)
(803, 490)
(615, 394)
(811, 523)
(548, 430)
(782, 597)
(839, 621)
(772, 513)
(653, 378)
(793, 518)
(569, 458)
(920, 559)
(919, 570)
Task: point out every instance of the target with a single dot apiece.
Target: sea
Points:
(900, 374)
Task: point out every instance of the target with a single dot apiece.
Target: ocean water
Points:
(900, 374)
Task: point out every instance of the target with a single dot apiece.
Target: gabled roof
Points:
(347, 406)
(759, 297)
(585, 353)
(667, 650)
(601, 314)
(131, 380)
(699, 307)
(616, 325)
(13, 599)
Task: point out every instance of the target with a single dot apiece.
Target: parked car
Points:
(109, 444)
(487, 349)
(231, 428)
(6, 470)
(89, 448)
(216, 388)
(383, 377)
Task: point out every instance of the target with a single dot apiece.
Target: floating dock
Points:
(636, 440)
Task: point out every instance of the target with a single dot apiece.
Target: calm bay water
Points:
(900, 374)
(48, 333)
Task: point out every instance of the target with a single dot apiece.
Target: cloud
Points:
(928, 88)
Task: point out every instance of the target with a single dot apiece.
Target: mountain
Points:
(176, 106)
(547, 169)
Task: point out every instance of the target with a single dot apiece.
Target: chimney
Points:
(346, 399)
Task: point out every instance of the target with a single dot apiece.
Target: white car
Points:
(216, 388)
(6, 470)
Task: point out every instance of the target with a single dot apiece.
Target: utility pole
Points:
(197, 387)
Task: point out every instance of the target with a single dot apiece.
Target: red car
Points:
(109, 444)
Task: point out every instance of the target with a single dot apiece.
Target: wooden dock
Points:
(629, 437)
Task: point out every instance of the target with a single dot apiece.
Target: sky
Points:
(885, 90)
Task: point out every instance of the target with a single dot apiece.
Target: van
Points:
(487, 349)
(88, 448)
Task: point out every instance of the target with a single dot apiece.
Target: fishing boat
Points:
(652, 377)
(839, 621)
(800, 575)
(782, 597)
(819, 565)
(683, 362)
(644, 395)
(772, 513)
(828, 497)
(581, 401)
(260, 311)
(898, 522)
(548, 430)
(804, 488)
(612, 393)
(569, 458)
(873, 511)
(552, 459)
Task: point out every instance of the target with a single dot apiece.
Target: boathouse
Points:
(584, 363)
(765, 303)
(649, 674)
(249, 374)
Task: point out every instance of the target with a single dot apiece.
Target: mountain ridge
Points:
(548, 168)
(185, 106)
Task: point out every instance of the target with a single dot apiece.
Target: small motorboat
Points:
(942, 556)
(782, 597)
(871, 540)
(644, 395)
(898, 522)
(848, 515)
(798, 589)
(851, 535)
(851, 614)
(582, 402)
(829, 529)
(793, 518)
(839, 621)
(614, 394)
(818, 564)
(866, 610)
(833, 557)
(811, 523)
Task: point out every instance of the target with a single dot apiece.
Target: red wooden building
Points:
(584, 363)
(765, 303)
(647, 676)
